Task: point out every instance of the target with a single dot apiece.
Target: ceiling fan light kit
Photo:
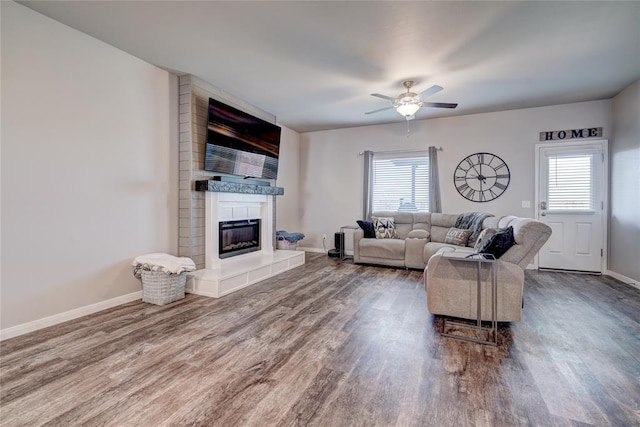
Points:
(408, 110)
(408, 103)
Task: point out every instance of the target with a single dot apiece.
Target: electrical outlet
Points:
(526, 203)
(324, 237)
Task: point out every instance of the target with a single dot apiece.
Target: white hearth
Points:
(223, 276)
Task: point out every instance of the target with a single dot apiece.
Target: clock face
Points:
(481, 177)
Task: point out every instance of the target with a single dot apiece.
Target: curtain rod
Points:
(400, 151)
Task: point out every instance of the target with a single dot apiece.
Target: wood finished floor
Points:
(333, 344)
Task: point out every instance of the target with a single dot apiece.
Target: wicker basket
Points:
(286, 245)
(161, 288)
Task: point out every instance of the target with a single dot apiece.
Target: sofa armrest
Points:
(414, 251)
(452, 288)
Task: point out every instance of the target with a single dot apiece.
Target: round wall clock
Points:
(481, 177)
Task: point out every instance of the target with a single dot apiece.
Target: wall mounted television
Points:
(240, 144)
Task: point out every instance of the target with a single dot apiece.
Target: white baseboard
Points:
(622, 278)
(316, 250)
(321, 251)
(24, 328)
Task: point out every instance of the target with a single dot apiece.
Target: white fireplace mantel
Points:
(223, 276)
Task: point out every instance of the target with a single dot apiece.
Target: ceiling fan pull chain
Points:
(408, 129)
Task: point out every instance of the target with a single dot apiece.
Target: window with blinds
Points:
(570, 182)
(400, 182)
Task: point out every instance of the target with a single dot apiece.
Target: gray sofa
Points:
(451, 286)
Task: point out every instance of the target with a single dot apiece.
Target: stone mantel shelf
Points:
(233, 187)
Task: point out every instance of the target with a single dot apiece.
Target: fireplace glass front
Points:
(238, 237)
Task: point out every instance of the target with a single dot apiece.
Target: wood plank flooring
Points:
(333, 344)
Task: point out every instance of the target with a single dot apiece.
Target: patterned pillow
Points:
(385, 227)
(457, 236)
(484, 235)
(499, 243)
(367, 227)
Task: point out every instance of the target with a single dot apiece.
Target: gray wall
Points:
(624, 226)
(331, 167)
(89, 167)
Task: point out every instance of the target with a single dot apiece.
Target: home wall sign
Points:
(481, 177)
(559, 135)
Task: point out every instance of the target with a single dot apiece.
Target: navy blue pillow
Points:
(499, 243)
(367, 227)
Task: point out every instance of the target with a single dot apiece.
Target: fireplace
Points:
(238, 237)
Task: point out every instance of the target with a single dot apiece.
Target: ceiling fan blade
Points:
(430, 91)
(381, 109)
(439, 105)
(390, 98)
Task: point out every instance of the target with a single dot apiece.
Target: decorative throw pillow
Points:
(499, 243)
(367, 227)
(385, 228)
(457, 236)
(484, 235)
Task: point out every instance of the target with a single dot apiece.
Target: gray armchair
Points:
(452, 286)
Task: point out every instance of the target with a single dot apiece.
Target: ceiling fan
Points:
(408, 103)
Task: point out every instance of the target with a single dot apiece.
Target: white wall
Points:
(288, 206)
(89, 167)
(331, 167)
(624, 226)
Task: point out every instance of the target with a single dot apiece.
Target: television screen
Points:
(240, 144)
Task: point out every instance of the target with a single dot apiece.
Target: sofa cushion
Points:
(385, 228)
(367, 228)
(499, 243)
(431, 248)
(443, 220)
(382, 248)
(457, 236)
(418, 234)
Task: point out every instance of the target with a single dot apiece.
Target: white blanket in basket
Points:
(162, 262)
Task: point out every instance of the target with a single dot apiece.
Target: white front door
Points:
(571, 200)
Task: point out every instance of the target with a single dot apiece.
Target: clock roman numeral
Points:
(460, 178)
(500, 186)
(502, 175)
(500, 166)
(470, 193)
(462, 188)
(481, 197)
(480, 157)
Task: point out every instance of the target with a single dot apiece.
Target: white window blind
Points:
(400, 182)
(571, 182)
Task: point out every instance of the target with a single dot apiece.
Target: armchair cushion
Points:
(498, 244)
(483, 237)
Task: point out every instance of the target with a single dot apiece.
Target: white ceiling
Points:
(314, 63)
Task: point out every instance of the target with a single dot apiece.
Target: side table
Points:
(343, 256)
(481, 261)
